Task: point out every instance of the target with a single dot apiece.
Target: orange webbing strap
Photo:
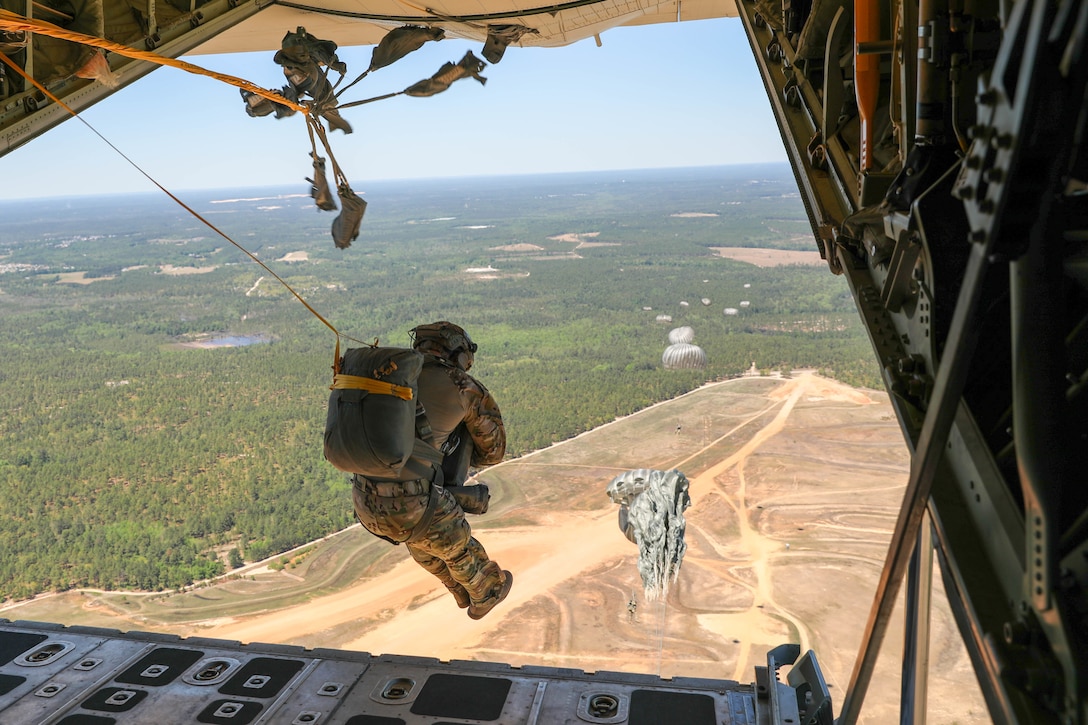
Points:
(14, 22)
(340, 381)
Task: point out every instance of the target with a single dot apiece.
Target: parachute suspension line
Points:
(13, 22)
(661, 634)
(313, 125)
(336, 362)
(369, 100)
(362, 75)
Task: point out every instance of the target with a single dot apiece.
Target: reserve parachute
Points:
(370, 428)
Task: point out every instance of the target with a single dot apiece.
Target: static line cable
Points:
(18, 69)
(312, 126)
(661, 634)
(13, 22)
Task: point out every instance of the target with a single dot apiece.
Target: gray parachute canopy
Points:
(681, 335)
(651, 515)
(682, 356)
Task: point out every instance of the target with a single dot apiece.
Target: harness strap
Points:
(421, 528)
(425, 461)
(340, 381)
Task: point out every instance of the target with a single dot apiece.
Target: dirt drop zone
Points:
(795, 485)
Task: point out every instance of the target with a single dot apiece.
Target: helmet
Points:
(451, 338)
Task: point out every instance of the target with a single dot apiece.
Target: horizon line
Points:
(474, 177)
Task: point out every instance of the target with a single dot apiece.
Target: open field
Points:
(768, 257)
(795, 484)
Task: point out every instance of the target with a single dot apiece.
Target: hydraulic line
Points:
(866, 75)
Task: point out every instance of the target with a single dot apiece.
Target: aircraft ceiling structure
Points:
(172, 28)
(364, 22)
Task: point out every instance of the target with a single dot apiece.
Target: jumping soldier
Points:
(453, 402)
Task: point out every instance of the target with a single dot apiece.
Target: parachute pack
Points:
(370, 428)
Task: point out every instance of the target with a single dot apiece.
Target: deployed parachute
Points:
(651, 515)
(681, 335)
(683, 356)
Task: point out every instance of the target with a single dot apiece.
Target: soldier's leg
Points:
(442, 572)
(394, 518)
(449, 539)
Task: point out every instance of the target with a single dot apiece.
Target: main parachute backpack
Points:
(371, 424)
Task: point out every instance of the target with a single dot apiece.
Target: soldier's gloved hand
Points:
(471, 499)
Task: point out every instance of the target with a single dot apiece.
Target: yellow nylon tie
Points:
(340, 381)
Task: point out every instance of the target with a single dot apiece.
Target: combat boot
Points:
(477, 610)
(460, 595)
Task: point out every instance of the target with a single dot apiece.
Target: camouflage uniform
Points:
(394, 509)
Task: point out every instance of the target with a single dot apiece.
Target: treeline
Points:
(127, 461)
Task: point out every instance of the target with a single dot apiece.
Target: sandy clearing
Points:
(294, 257)
(438, 629)
(80, 278)
(574, 237)
(523, 247)
(768, 257)
(172, 270)
(408, 613)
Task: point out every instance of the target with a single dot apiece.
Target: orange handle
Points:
(866, 74)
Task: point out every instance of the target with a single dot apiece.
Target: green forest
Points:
(130, 460)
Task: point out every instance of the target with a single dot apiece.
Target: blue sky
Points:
(681, 94)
